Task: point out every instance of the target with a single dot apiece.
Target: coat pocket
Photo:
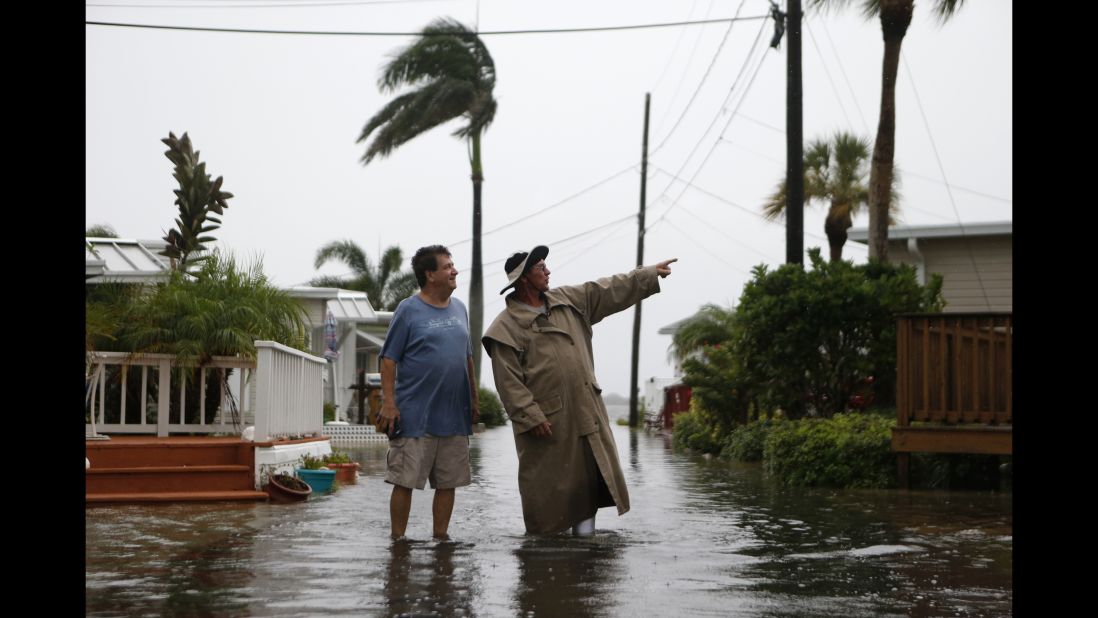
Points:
(550, 405)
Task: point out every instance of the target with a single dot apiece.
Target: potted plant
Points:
(346, 470)
(287, 488)
(313, 472)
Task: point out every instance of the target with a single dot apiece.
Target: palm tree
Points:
(895, 16)
(100, 230)
(834, 173)
(219, 311)
(198, 198)
(711, 325)
(384, 285)
(452, 75)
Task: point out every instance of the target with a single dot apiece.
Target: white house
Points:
(360, 329)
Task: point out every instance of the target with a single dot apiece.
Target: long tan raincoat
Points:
(544, 370)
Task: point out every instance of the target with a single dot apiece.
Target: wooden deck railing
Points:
(955, 369)
(954, 390)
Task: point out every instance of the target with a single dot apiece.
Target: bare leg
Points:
(400, 505)
(441, 509)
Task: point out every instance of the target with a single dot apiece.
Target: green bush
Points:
(692, 433)
(329, 411)
(811, 338)
(847, 450)
(491, 409)
(747, 442)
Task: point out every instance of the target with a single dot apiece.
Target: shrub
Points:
(692, 433)
(847, 450)
(808, 341)
(747, 442)
(491, 409)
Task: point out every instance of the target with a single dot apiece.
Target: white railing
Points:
(289, 392)
(109, 367)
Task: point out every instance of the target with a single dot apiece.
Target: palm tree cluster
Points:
(385, 285)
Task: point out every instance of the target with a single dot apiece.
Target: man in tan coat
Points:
(540, 346)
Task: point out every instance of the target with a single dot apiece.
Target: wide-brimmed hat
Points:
(520, 263)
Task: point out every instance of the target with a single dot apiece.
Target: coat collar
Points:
(526, 317)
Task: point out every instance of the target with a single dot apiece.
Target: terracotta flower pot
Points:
(345, 472)
(285, 488)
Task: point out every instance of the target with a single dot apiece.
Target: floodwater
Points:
(703, 538)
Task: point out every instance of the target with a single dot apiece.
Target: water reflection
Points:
(703, 538)
(157, 561)
(420, 580)
(567, 576)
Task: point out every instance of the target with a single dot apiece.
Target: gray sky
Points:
(278, 115)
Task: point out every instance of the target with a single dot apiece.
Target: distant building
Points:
(975, 261)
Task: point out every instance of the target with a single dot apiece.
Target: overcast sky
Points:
(277, 115)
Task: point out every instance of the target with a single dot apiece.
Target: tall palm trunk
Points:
(895, 18)
(476, 282)
(835, 226)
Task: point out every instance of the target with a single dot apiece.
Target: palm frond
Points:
(346, 251)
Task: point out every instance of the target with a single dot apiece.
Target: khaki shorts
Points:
(445, 461)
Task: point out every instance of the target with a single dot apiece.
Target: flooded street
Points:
(704, 538)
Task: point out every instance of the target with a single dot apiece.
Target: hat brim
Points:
(536, 255)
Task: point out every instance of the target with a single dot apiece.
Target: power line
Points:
(694, 96)
(717, 229)
(525, 218)
(731, 203)
(255, 5)
(483, 33)
(761, 123)
(731, 117)
(574, 236)
(678, 41)
(695, 243)
(906, 172)
(838, 60)
(724, 104)
(757, 154)
(827, 72)
(941, 168)
(682, 75)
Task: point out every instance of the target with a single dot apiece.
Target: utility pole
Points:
(634, 416)
(794, 131)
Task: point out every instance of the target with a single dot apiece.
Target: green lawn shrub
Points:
(845, 451)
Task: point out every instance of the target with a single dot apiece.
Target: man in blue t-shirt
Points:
(430, 396)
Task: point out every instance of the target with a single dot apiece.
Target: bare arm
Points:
(475, 392)
(389, 413)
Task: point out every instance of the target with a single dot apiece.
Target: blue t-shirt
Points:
(431, 348)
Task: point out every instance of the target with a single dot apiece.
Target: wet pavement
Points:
(704, 538)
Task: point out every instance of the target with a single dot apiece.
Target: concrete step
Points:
(178, 496)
